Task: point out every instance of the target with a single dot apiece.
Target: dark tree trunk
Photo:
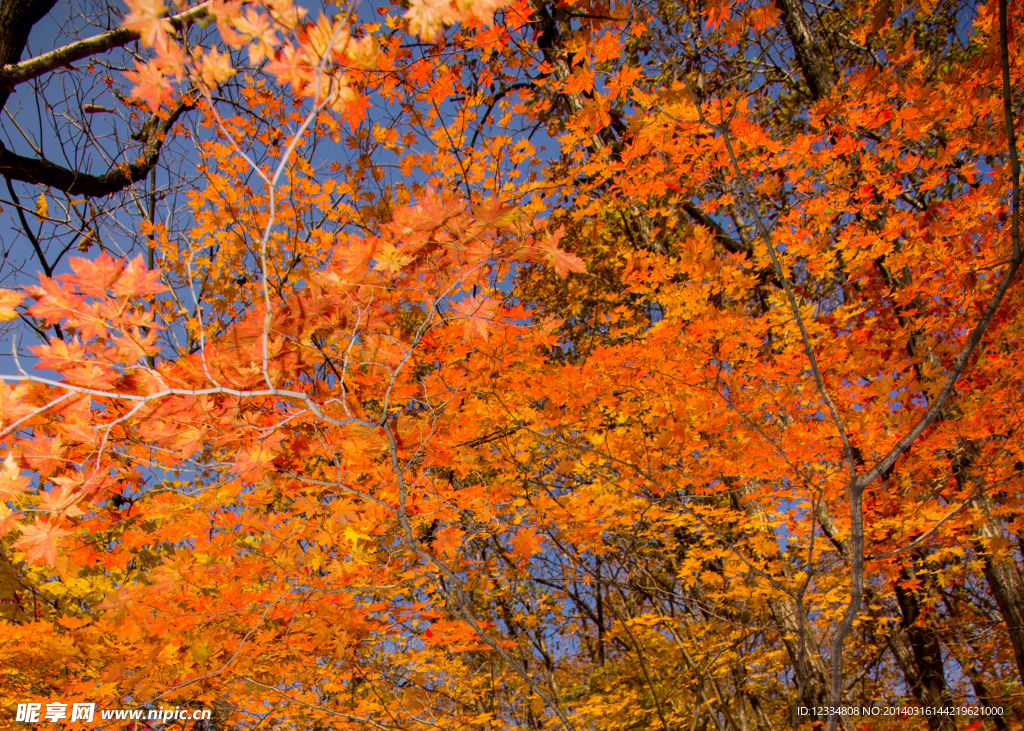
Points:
(16, 20)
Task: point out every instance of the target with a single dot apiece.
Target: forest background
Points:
(482, 365)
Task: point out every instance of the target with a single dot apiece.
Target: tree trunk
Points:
(806, 655)
(16, 20)
(928, 679)
(1004, 580)
(921, 662)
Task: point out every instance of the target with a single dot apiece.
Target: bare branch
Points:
(73, 182)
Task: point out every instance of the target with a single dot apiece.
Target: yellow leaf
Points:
(9, 299)
(354, 536)
(200, 650)
(55, 587)
(42, 207)
(390, 260)
(85, 243)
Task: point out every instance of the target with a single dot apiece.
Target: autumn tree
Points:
(582, 365)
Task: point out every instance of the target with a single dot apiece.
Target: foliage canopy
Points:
(548, 364)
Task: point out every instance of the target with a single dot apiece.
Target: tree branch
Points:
(43, 172)
(810, 56)
(13, 74)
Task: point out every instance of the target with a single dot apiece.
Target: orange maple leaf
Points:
(479, 313)
(526, 543)
(41, 540)
(390, 260)
(253, 465)
(62, 498)
(9, 299)
(562, 261)
(136, 279)
(150, 84)
(717, 15)
(44, 454)
(11, 481)
(8, 519)
(448, 540)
